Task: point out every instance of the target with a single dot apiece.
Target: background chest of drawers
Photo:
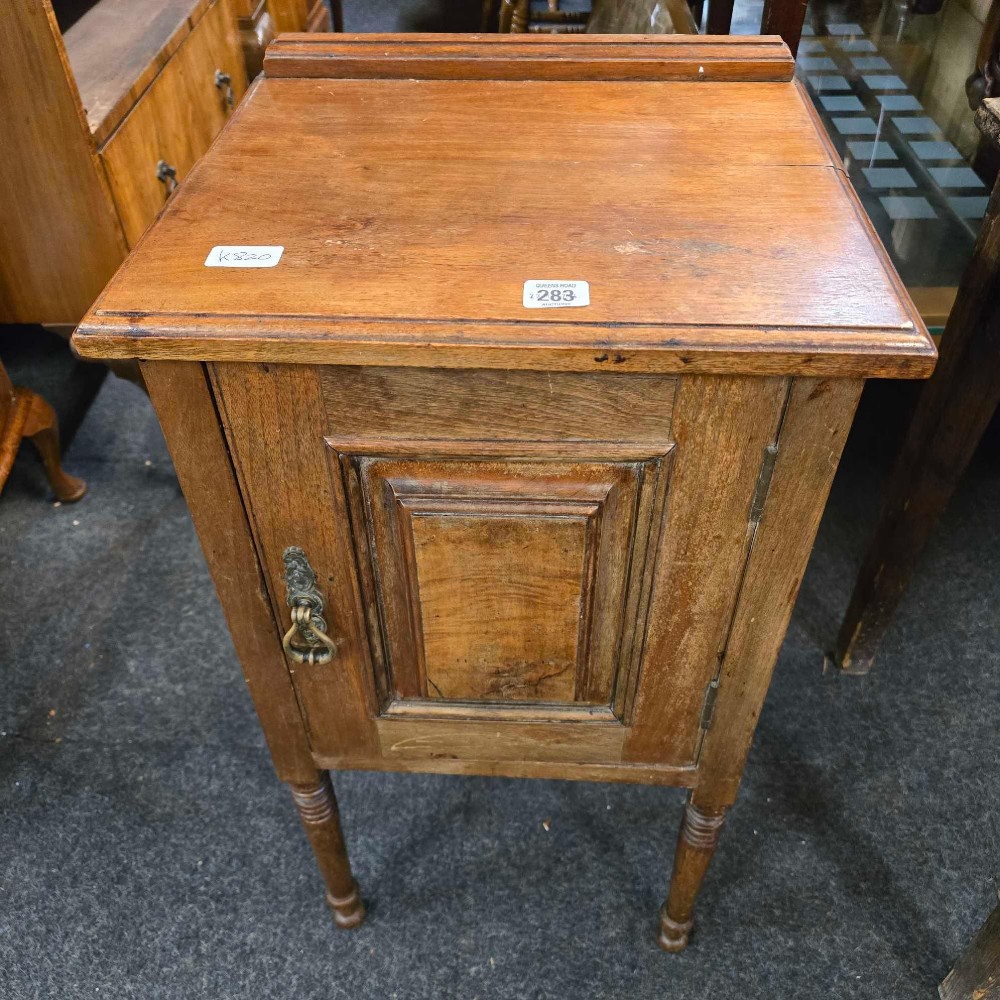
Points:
(456, 532)
(106, 106)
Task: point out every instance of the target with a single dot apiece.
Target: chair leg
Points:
(699, 835)
(317, 806)
(720, 17)
(43, 430)
(337, 10)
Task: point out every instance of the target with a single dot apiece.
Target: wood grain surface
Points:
(371, 407)
(721, 427)
(289, 15)
(117, 48)
(175, 120)
(530, 57)
(500, 580)
(420, 241)
(59, 236)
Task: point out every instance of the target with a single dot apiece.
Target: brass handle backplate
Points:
(168, 174)
(224, 80)
(306, 641)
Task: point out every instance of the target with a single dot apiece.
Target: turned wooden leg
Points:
(317, 808)
(514, 16)
(695, 846)
(43, 430)
(977, 973)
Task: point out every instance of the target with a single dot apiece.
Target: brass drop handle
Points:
(306, 641)
(225, 80)
(303, 625)
(168, 175)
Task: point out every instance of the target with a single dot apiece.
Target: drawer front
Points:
(289, 15)
(515, 566)
(175, 121)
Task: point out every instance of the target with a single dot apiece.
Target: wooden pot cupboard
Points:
(107, 104)
(465, 513)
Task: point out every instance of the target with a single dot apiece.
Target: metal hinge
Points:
(708, 709)
(763, 481)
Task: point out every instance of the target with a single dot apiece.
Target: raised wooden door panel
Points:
(503, 582)
(522, 567)
(176, 119)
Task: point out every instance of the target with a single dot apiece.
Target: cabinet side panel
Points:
(813, 432)
(59, 237)
(721, 428)
(184, 405)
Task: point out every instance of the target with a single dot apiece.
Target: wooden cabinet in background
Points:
(261, 20)
(305, 15)
(107, 104)
(456, 532)
(105, 114)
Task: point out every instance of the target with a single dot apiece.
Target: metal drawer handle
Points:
(306, 641)
(168, 175)
(225, 80)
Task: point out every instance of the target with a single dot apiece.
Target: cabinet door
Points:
(522, 571)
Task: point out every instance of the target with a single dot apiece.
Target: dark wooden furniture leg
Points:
(337, 10)
(782, 17)
(317, 806)
(976, 975)
(696, 843)
(954, 409)
(720, 17)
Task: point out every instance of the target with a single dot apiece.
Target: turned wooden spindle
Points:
(699, 835)
(317, 806)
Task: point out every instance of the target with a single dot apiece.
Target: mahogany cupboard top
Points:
(415, 183)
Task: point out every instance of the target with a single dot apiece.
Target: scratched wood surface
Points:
(436, 214)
